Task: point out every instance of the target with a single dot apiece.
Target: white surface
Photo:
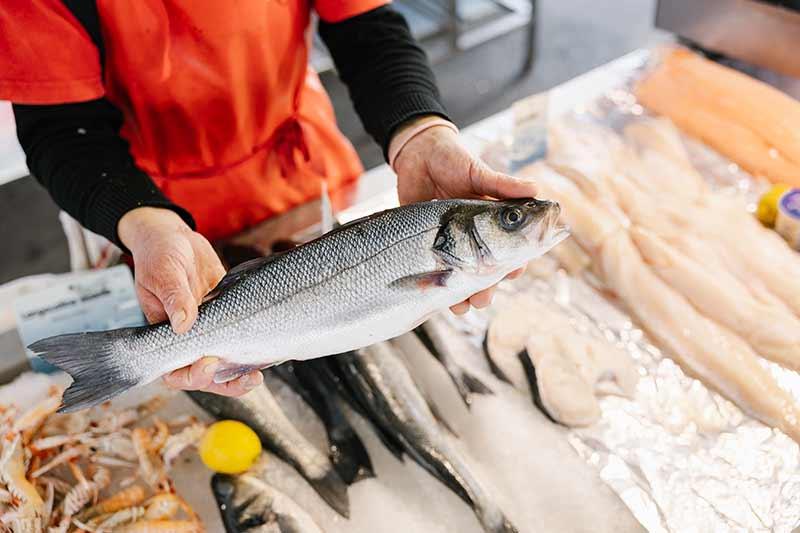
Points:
(12, 159)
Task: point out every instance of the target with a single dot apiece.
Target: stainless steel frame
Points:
(444, 29)
(757, 32)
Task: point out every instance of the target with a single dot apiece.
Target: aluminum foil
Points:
(681, 457)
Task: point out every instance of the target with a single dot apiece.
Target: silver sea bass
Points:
(367, 281)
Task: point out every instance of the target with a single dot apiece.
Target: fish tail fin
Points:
(333, 490)
(94, 363)
(473, 384)
(359, 466)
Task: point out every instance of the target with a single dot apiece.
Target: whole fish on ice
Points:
(364, 282)
(260, 410)
(248, 503)
(387, 393)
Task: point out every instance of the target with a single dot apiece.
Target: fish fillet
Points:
(709, 352)
(772, 333)
(564, 392)
(768, 112)
(590, 225)
(571, 256)
(661, 135)
(761, 252)
(571, 367)
(665, 95)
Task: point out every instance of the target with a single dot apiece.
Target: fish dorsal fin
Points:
(239, 272)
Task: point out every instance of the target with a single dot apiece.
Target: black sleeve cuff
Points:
(75, 151)
(404, 108)
(386, 72)
(118, 196)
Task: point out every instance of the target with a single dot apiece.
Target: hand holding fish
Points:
(175, 268)
(433, 164)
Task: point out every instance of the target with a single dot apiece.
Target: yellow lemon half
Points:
(229, 447)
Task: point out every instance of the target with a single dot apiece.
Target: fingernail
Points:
(179, 317)
(210, 367)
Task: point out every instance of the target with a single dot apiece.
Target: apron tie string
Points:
(289, 137)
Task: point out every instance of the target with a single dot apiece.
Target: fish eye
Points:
(511, 217)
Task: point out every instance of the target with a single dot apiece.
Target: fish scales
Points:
(367, 281)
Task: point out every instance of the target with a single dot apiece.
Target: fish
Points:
(248, 503)
(261, 412)
(439, 338)
(329, 375)
(236, 254)
(348, 454)
(394, 402)
(366, 281)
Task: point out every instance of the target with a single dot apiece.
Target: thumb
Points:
(488, 182)
(172, 288)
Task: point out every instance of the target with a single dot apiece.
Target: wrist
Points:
(414, 128)
(142, 221)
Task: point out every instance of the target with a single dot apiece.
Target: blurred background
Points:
(491, 54)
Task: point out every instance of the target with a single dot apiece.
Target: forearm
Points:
(75, 151)
(386, 72)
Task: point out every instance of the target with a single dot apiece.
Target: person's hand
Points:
(433, 164)
(175, 268)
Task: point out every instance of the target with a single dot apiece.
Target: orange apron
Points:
(221, 107)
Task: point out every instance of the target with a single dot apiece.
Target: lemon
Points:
(229, 447)
(768, 205)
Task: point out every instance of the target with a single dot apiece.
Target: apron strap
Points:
(86, 13)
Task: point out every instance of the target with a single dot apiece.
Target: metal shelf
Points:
(446, 27)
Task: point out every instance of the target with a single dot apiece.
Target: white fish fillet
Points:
(717, 259)
(706, 350)
(762, 253)
(661, 135)
(571, 256)
(771, 332)
(565, 393)
(663, 160)
(591, 226)
(572, 367)
(709, 352)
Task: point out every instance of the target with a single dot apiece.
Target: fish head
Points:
(499, 235)
(242, 504)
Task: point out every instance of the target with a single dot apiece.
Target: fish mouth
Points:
(550, 230)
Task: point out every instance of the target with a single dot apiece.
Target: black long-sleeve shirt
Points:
(75, 150)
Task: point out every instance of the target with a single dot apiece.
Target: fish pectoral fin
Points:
(230, 371)
(436, 278)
